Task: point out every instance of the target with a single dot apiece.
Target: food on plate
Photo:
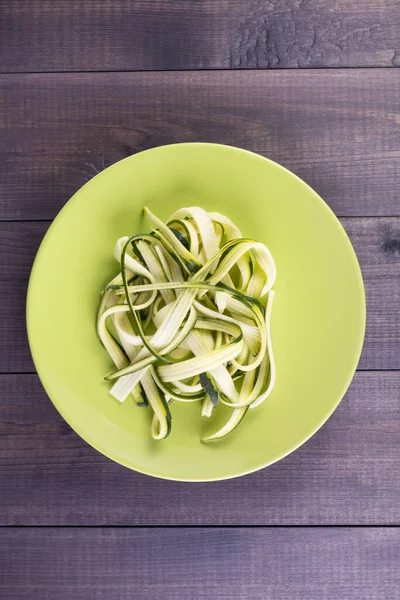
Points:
(187, 318)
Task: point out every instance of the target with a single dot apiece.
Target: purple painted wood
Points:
(240, 564)
(337, 129)
(348, 473)
(70, 35)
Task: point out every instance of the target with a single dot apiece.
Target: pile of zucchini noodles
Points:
(187, 319)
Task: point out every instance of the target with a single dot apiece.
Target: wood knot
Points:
(391, 242)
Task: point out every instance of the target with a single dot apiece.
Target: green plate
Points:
(318, 319)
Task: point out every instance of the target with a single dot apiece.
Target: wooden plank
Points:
(338, 130)
(348, 473)
(18, 245)
(376, 241)
(118, 564)
(377, 244)
(68, 35)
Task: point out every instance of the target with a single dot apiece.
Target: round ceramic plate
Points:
(318, 319)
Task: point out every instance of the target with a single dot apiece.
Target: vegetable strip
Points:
(188, 318)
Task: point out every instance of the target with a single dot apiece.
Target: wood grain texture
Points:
(231, 564)
(348, 473)
(338, 130)
(376, 241)
(377, 245)
(69, 35)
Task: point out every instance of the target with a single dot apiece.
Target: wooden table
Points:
(311, 84)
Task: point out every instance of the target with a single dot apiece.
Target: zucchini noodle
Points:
(187, 319)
